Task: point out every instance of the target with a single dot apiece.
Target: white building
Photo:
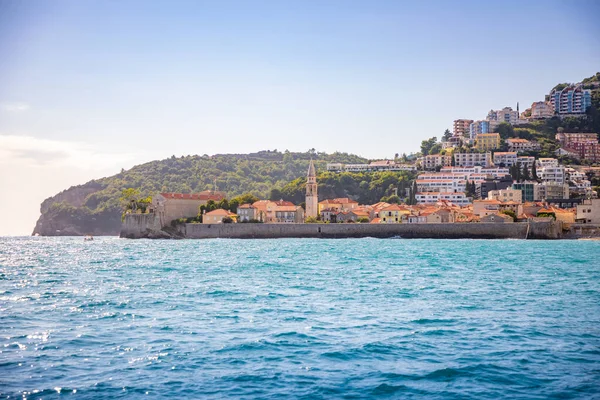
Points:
(550, 190)
(573, 99)
(496, 117)
(506, 195)
(434, 197)
(432, 161)
(546, 162)
(473, 173)
(589, 211)
(552, 174)
(526, 161)
(385, 165)
(506, 159)
(441, 182)
(522, 145)
(473, 159)
(478, 127)
(541, 110)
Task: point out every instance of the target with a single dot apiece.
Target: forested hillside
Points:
(93, 208)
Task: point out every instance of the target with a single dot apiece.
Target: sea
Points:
(299, 319)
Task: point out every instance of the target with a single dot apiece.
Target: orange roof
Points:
(546, 210)
(380, 205)
(517, 140)
(339, 200)
(261, 205)
(220, 211)
(394, 207)
(376, 221)
(244, 206)
(487, 201)
(360, 213)
(286, 208)
(283, 203)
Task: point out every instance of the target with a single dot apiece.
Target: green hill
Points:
(94, 208)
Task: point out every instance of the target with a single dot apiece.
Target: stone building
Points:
(170, 206)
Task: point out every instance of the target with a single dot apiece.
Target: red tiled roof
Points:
(286, 208)
(220, 211)
(394, 207)
(283, 203)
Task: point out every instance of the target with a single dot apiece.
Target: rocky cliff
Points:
(67, 214)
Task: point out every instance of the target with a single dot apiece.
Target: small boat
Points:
(88, 238)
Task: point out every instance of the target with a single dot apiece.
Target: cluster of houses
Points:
(454, 186)
(500, 206)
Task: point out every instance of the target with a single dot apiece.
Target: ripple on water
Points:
(297, 318)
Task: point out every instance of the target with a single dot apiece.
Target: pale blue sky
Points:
(88, 87)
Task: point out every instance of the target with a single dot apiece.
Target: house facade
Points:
(473, 159)
(487, 141)
(217, 216)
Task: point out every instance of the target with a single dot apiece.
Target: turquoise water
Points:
(299, 318)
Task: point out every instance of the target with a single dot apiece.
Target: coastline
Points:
(145, 226)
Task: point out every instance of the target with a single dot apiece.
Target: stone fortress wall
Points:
(147, 226)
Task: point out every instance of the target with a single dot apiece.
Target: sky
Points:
(90, 87)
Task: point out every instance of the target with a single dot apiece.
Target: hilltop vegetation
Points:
(94, 208)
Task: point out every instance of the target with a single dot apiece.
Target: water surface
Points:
(299, 318)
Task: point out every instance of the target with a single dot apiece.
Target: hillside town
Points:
(475, 174)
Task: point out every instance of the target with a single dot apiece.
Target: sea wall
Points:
(581, 231)
(148, 226)
(136, 226)
(538, 230)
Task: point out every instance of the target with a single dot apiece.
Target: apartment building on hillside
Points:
(473, 159)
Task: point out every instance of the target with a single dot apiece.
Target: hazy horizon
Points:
(88, 88)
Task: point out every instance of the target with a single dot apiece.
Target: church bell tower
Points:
(312, 199)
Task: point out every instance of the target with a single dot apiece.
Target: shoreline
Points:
(145, 226)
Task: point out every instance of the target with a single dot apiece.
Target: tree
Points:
(129, 198)
(275, 195)
(362, 220)
(227, 220)
(426, 145)
(435, 149)
(393, 199)
(412, 198)
(469, 192)
(510, 213)
(447, 135)
(505, 130)
(525, 173)
(534, 172)
(515, 172)
(144, 203)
